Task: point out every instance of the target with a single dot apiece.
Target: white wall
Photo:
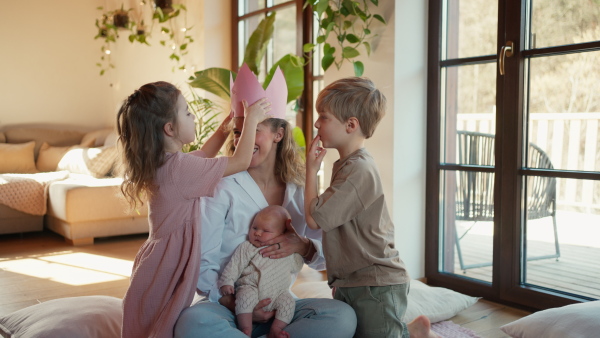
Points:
(48, 60)
(397, 66)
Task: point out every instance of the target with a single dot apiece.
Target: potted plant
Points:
(121, 18)
(206, 113)
(347, 20)
(216, 80)
(165, 5)
(164, 13)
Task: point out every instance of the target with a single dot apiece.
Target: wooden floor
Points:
(38, 267)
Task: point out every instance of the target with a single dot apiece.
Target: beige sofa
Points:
(82, 199)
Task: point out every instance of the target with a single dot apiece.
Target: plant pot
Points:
(165, 5)
(120, 19)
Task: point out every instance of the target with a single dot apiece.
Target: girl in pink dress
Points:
(153, 124)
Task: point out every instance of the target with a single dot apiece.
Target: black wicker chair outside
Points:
(475, 190)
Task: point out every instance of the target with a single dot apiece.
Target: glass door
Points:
(513, 149)
(561, 190)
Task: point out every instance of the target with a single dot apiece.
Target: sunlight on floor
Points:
(70, 268)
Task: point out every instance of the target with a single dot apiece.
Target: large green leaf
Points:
(293, 71)
(349, 53)
(257, 44)
(213, 80)
(321, 7)
(359, 68)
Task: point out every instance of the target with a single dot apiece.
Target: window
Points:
(293, 28)
(513, 180)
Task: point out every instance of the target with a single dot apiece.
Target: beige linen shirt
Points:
(358, 234)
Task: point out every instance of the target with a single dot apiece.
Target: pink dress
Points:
(166, 268)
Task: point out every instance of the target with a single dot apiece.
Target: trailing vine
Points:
(173, 36)
(350, 22)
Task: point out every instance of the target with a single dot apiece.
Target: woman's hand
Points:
(228, 301)
(259, 315)
(227, 290)
(286, 244)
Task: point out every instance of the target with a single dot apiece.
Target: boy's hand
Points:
(315, 156)
(257, 111)
(227, 290)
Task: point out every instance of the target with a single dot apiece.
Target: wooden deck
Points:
(576, 271)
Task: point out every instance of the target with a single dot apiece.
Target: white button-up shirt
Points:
(226, 219)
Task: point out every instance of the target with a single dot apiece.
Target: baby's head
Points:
(353, 97)
(268, 224)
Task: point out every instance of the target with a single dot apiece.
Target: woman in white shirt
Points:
(275, 177)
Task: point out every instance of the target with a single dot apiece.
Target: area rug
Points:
(448, 329)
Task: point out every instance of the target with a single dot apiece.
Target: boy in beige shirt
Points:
(363, 266)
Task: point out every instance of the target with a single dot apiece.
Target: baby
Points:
(257, 277)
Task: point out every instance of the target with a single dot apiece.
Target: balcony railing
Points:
(572, 143)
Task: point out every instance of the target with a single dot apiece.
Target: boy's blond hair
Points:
(354, 97)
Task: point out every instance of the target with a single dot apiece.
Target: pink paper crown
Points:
(246, 87)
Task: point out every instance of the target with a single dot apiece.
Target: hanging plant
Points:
(108, 32)
(350, 22)
(165, 5)
(121, 18)
(173, 36)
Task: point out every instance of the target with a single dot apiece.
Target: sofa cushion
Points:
(49, 157)
(96, 138)
(54, 137)
(17, 158)
(82, 198)
(96, 162)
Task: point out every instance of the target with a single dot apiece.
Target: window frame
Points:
(304, 33)
(506, 287)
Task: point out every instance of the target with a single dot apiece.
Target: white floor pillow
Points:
(75, 317)
(434, 302)
(574, 321)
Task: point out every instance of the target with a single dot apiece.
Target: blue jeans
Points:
(313, 318)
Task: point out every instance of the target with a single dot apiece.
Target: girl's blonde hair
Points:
(140, 123)
(289, 163)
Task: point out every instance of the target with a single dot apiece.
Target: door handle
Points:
(505, 51)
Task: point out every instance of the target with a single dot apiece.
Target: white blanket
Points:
(28, 192)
